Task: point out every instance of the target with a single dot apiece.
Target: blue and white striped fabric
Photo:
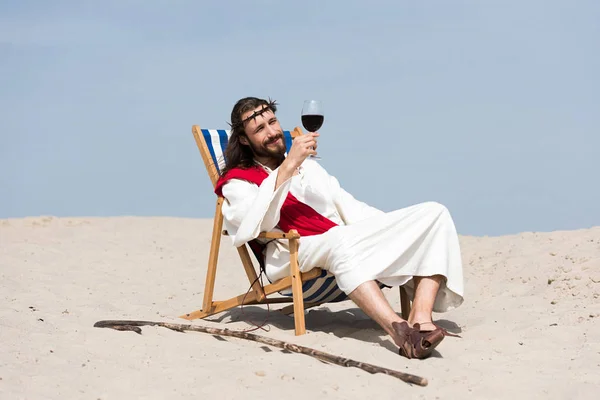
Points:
(321, 289)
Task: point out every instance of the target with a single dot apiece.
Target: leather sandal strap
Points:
(446, 333)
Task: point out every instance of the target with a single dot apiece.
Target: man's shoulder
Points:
(253, 172)
(253, 175)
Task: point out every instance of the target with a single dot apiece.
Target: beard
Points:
(270, 149)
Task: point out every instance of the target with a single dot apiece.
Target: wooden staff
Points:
(344, 362)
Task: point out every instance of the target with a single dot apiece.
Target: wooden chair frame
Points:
(258, 294)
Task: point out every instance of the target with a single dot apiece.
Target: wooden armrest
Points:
(293, 234)
(280, 235)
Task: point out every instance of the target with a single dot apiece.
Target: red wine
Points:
(312, 123)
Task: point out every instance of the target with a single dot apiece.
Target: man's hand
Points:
(302, 147)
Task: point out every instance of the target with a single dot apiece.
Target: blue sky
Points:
(491, 108)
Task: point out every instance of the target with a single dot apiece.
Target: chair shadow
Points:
(345, 323)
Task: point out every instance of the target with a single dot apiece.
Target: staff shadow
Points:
(345, 323)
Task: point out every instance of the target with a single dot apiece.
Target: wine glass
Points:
(312, 117)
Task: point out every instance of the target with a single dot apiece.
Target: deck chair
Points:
(304, 290)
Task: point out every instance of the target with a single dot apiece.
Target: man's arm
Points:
(284, 174)
(253, 209)
(302, 147)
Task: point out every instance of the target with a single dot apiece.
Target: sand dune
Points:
(530, 323)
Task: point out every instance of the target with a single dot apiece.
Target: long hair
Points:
(238, 155)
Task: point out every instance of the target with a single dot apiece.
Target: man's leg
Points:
(369, 297)
(426, 289)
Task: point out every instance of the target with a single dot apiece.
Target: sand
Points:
(530, 324)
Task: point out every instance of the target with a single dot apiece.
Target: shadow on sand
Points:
(346, 323)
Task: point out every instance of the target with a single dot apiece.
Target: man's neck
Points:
(269, 162)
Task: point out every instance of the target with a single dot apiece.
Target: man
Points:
(360, 245)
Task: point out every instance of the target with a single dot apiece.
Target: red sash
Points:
(294, 214)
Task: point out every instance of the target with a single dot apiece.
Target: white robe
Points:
(368, 244)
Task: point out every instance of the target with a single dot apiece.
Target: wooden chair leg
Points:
(251, 273)
(211, 272)
(299, 322)
(251, 298)
(404, 303)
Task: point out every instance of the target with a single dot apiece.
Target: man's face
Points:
(264, 134)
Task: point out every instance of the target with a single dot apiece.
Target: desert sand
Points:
(530, 324)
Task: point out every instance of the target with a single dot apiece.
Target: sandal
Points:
(416, 343)
(444, 331)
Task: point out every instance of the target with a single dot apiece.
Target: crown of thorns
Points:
(270, 106)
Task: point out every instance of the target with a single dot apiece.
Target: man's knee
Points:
(437, 208)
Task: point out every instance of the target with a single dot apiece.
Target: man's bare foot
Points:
(424, 320)
(425, 326)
